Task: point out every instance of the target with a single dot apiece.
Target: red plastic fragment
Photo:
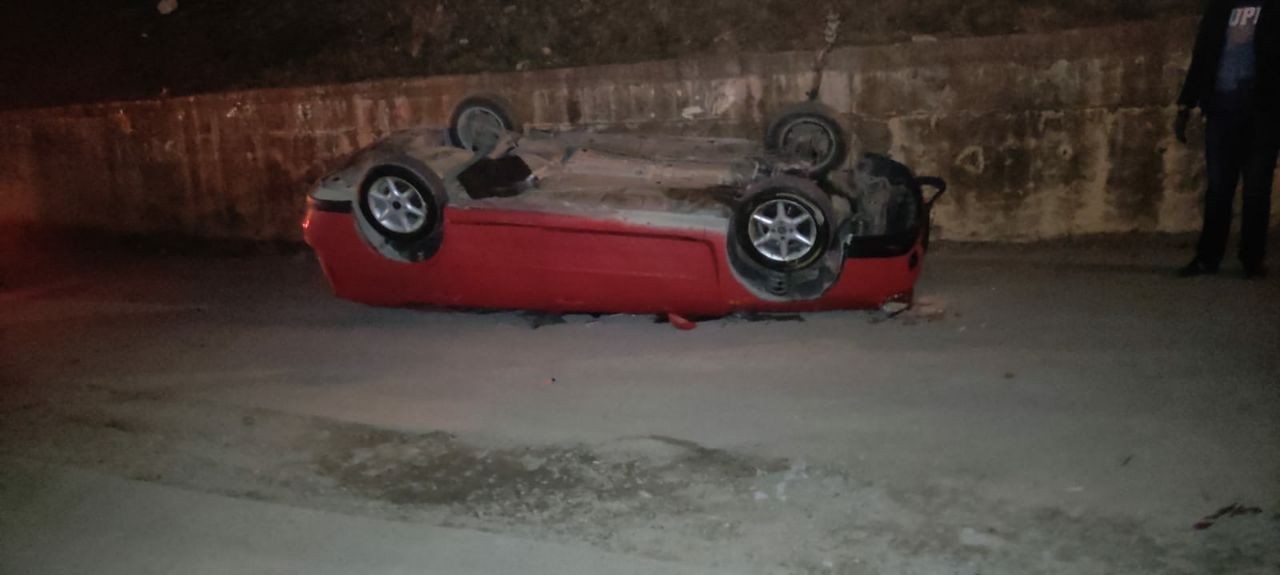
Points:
(680, 322)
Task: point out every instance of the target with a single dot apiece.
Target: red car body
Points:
(528, 260)
(578, 221)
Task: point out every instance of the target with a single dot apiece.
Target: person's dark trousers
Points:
(1234, 150)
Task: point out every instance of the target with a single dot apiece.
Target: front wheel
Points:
(784, 223)
(782, 241)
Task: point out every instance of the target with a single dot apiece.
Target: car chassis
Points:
(486, 215)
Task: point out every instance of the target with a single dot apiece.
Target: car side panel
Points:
(535, 261)
(500, 259)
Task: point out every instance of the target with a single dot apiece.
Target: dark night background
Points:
(62, 51)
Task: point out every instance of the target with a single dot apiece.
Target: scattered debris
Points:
(926, 308)
(930, 308)
(1126, 461)
(1233, 510)
(680, 322)
(894, 308)
(541, 319)
(756, 317)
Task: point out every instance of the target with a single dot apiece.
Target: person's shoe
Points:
(1197, 267)
(1255, 271)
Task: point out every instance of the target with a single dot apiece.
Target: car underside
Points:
(482, 215)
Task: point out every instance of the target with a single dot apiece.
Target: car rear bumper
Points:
(315, 204)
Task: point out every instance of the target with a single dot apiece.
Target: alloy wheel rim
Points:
(479, 127)
(783, 230)
(808, 140)
(397, 205)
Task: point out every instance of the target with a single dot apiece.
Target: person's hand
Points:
(1180, 124)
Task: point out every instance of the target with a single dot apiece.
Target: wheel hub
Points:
(397, 205)
(783, 230)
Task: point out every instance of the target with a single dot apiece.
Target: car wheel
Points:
(812, 138)
(398, 203)
(479, 121)
(783, 223)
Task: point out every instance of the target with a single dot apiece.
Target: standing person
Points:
(1235, 81)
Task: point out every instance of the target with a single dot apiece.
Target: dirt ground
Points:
(62, 51)
(1058, 408)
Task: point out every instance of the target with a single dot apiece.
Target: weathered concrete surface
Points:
(1045, 410)
(158, 529)
(1041, 135)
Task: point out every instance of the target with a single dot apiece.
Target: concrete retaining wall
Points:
(1041, 136)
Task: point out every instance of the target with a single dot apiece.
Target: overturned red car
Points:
(485, 215)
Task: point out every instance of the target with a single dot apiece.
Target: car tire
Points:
(783, 223)
(401, 204)
(813, 137)
(805, 277)
(477, 113)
